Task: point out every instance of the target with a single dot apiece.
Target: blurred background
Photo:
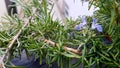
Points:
(76, 8)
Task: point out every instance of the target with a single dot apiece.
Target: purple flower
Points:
(96, 26)
(82, 24)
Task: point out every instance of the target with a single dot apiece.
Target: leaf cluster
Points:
(94, 53)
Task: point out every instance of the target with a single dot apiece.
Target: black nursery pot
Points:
(31, 62)
(35, 63)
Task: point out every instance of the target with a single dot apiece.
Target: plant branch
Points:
(64, 47)
(10, 46)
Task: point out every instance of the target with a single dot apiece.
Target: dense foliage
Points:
(48, 39)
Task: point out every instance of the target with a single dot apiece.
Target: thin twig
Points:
(64, 47)
(10, 46)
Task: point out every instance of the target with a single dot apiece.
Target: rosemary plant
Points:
(93, 42)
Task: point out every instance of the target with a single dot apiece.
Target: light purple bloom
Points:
(82, 24)
(96, 26)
